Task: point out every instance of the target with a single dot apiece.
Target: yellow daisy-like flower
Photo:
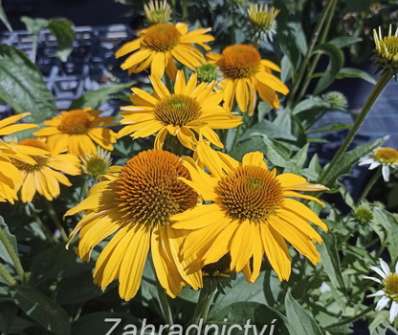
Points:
(133, 207)
(78, 131)
(245, 75)
(157, 11)
(387, 49)
(190, 112)
(248, 211)
(262, 17)
(97, 165)
(10, 176)
(160, 45)
(47, 172)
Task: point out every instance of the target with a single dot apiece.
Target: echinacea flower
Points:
(191, 111)
(384, 157)
(262, 17)
(157, 11)
(133, 207)
(389, 293)
(10, 176)
(160, 45)
(78, 131)
(245, 75)
(47, 173)
(248, 211)
(97, 165)
(387, 49)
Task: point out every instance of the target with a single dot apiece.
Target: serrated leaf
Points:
(3, 17)
(336, 62)
(300, 321)
(348, 72)
(43, 310)
(63, 31)
(22, 86)
(95, 99)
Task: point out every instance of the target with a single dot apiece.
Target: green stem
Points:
(57, 221)
(164, 305)
(372, 182)
(378, 88)
(184, 8)
(307, 58)
(12, 253)
(202, 309)
(317, 58)
(47, 232)
(10, 281)
(350, 320)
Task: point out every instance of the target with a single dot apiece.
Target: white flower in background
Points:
(389, 293)
(384, 157)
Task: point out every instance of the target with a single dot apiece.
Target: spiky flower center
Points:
(391, 286)
(40, 161)
(177, 110)
(75, 122)
(239, 61)
(250, 193)
(262, 17)
(386, 156)
(161, 37)
(148, 190)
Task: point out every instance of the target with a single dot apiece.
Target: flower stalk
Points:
(378, 88)
(206, 297)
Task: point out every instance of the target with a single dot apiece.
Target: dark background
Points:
(80, 12)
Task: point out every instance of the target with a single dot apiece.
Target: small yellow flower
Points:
(134, 206)
(248, 211)
(48, 172)
(190, 112)
(157, 11)
(387, 49)
(245, 75)
(161, 45)
(97, 165)
(78, 131)
(262, 17)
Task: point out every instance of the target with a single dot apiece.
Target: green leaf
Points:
(3, 17)
(345, 41)
(351, 158)
(348, 72)
(336, 62)
(63, 31)
(270, 129)
(34, 26)
(390, 223)
(95, 99)
(43, 310)
(22, 86)
(309, 104)
(300, 321)
(11, 243)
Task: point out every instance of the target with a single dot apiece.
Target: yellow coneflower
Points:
(134, 207)
(10, 176)
(160, 45)
(262, 17)
(245, 74)
(97, 165)
(190, 109)
(47, 173)
(387, 49)
(157, 11)
(78, 131)
(248, 211)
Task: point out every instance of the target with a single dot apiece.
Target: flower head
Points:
(336, 100)
(134, 206)
(248, 211)
(245, 75)
(157, 11)
(161, 45)
(208, 73)
(47, 172)
(262, 17)
(363, 214)
(97, 165)
(387, 49)
(385, 157)
(78, 131)
(191, 111)
(389, 291)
